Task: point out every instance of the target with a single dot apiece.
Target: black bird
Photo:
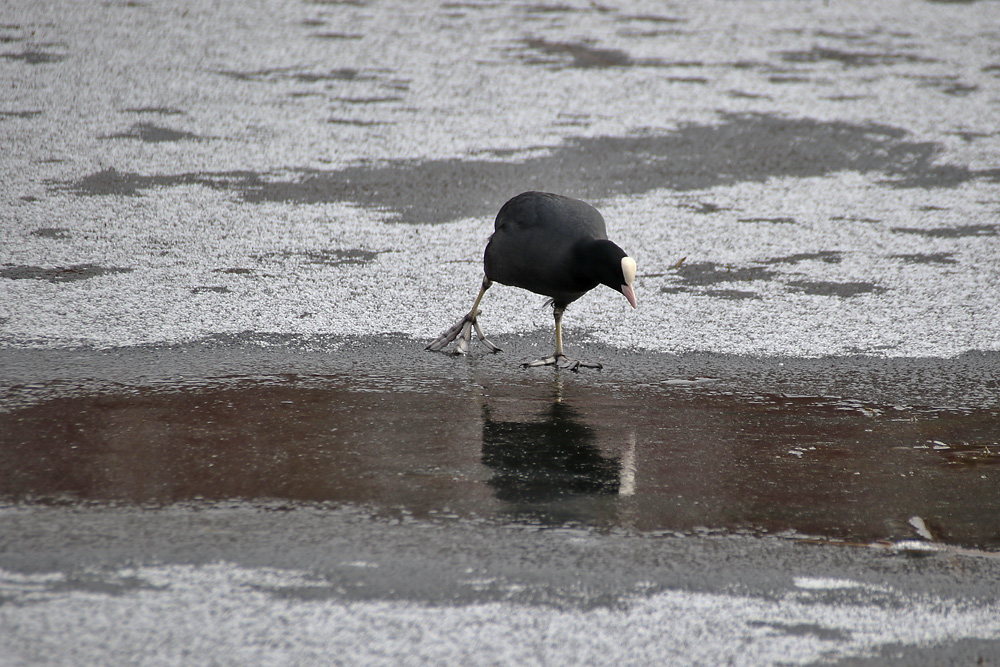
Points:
(554, 246)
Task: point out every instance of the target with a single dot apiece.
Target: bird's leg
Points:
(462, 330)
(558, 359)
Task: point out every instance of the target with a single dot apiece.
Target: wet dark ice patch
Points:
(4, 115)
(730, 294)
(35, 57)
(335, 257)
(826, 256)
(700, 274)
(578, 55)
(60, 233)
(101, 583)
(843, 290)
(550, 454)
(60, 274)
(113, 182)
(697, 276)
(297, 74)
(805, 630)
(337, 35)
(357, 122)
(694, 157)
(851, 58)
(928, 258)
(958, 232)
(154, 134)
(773, 221)
(163, 111)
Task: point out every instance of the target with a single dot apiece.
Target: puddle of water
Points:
(684, 456)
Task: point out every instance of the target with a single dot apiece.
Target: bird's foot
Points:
(562, 361)
(462, 330)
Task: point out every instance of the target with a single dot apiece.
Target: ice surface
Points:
(222, 162)
(227, 614)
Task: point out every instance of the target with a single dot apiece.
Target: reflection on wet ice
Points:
(626, 486)
(542, 458)
(650, 459)
(551, 453)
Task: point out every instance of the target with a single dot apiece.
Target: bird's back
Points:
(564, 219)
(533, 244)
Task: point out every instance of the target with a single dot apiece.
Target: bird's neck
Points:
(592, 261)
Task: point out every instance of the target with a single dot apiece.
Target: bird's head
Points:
(615, 269)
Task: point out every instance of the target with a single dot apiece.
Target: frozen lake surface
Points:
(227, 231)
(828, 172)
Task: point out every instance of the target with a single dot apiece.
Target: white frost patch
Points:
(819, 583)
(229, 615)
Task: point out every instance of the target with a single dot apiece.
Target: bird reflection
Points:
(546, 458)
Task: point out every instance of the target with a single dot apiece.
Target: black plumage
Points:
(551, 245)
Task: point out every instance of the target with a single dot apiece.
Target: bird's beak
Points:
(628, 273)
(629, 294)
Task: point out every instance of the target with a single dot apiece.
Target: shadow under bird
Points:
(550, 245)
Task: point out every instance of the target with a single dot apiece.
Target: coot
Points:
(554, 246)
